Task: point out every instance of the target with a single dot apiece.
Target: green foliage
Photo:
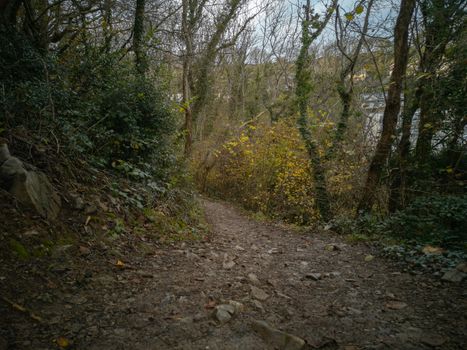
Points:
(178, 217)
(90, 102)
(438, 220)
(415, 256)
(19, 249)
(130, 124)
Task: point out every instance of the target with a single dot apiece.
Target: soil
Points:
(140, 294)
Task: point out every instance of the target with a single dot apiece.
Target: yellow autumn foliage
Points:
(267, 170)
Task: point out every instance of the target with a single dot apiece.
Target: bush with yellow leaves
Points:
(267, 170)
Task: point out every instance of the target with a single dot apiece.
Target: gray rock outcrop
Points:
(30, 187)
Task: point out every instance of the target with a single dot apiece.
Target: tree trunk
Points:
(138, 32)
(107, 16)
(187, 76)
(391, 111)
(345, 96)
(9, 12)
(303, 90)
(397, 195)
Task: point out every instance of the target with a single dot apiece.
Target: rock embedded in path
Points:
(433, 340)
(238, 307)
(259, 293)
(276, 338)
(454, 275)
(228, 264)
(253, 279)
(462, 267)
(222, 316)
(224, 312)
(331, 247)
(76, 201)
(226, 307)
(315, 276)
(258, 304)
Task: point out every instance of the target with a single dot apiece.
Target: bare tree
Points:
(345, 84)
(196, 71)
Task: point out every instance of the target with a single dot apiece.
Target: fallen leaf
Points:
(259, 293)
(18, 307)
(211, 304)
(120, 264)
(228, 264)
(432, 250)
(63, 342)
(368, 258)
(35, 317)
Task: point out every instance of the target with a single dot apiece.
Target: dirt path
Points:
(316, 287)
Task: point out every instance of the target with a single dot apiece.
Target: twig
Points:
(23, 309)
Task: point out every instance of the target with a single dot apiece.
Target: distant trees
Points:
(199, 57)
(378, 92)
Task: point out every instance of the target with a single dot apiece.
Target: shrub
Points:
(266, 170)
(90, 103)
(437, 219)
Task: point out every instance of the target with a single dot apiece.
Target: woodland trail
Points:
(317, 287)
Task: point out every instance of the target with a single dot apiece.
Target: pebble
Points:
(259, 293)
(222, 315)
(454, 275)
(314, 276)
(253, 279)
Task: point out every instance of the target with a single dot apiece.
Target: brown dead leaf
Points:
(433, 250)
(18, 307)
(211, 304)
(35, 317)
